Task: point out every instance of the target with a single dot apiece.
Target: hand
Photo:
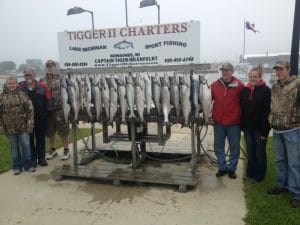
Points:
(263, 138)
(29, 131)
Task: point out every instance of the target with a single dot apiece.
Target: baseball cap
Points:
(50, 63)
(28, 71)
(226, 66)
(282, 64)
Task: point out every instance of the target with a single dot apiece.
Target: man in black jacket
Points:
(39, 95)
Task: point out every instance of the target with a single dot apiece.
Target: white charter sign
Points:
(160, 44)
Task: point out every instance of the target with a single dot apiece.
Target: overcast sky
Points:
(29, 27)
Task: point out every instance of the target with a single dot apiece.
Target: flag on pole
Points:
(251, 26)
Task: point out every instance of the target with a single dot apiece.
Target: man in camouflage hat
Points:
(226, 116)
(55, 117)
(16, 118)
(285, 121)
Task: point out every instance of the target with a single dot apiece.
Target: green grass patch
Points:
(5, 152)
(268, 209)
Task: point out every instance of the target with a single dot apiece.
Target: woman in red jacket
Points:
(226, 116)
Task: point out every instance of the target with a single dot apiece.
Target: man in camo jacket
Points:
(55, 115)
(285, 121)
(17, 120)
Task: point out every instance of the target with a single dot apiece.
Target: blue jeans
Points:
(37, 139)
(287, 153)
(20, 149)
(233, 135)
(256, 152)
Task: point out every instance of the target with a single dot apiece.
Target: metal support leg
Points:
(160, 133)
(74, 140)
(194, 158)
(105, 132)
(118, 127)
(145, 132)
(133, 144)
(168, 131)
(93, 137)
(91, 154)
(198, 132)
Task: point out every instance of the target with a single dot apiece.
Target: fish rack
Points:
(117, 172)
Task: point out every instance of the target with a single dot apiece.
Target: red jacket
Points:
(226, 106)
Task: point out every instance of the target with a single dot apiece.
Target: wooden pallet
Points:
(116, 174)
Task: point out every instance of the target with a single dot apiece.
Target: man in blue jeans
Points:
(16, 118)
(39, 95)
(226, 116)
(285, 121)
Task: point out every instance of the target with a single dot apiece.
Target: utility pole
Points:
(294, 60)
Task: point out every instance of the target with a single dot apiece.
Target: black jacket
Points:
(256, 109)
(38, 97)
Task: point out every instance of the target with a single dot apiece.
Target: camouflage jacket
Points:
(53, 82)
(285, 105)
(16, 113)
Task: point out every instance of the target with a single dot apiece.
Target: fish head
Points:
(129, 80)
(64, 82)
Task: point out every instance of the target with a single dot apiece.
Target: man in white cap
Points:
(39, 95)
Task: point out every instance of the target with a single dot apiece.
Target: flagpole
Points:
(244, 42)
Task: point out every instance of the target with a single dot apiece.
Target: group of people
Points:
(254, 108)
(32, 109)
(29, 111)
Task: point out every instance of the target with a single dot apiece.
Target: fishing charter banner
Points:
(159, 44)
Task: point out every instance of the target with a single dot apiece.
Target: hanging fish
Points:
(174, 92)
(65, 105)
(195, 94)
(73, 95)
(121, 82)
(140, 96)
(148, 92)
(156, 93)
(130, 95)
(185, 91)
(165, 98)
(206, 100)
(105, 95)
(113, 96)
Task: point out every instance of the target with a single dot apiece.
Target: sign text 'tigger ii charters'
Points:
(161, 44)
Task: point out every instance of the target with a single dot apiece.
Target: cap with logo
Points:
(226, 66)
(28, 71)
(282, 64)
(50, 63)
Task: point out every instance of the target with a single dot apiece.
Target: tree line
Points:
(11, 67)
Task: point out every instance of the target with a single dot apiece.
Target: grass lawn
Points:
(268, 209)
(5, 153)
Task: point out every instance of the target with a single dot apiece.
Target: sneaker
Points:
(66, 154)
(17, 171)
(277, 191)
(52, 154)
(232, 175)
(221, 173)
(31, 170)
(43, 162)
(295, 203)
